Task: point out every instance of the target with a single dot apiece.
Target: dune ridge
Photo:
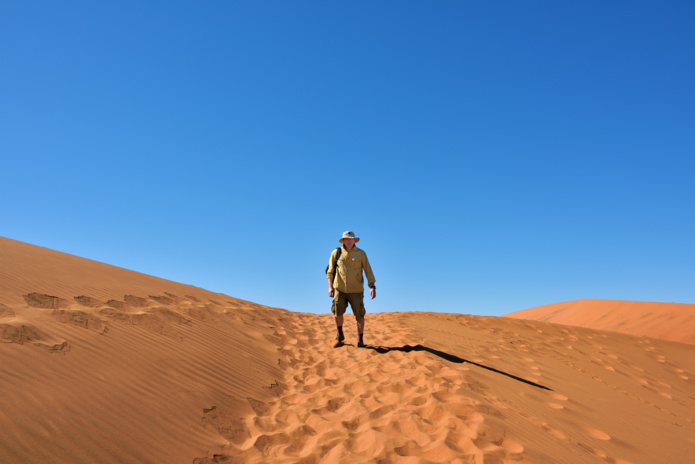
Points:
(668, 321)
(101, 364)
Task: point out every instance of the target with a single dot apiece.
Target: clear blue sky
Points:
(492, 156)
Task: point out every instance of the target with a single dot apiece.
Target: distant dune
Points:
(669, 321)
(99, 364)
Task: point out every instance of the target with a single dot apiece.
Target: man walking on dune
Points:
(346, 284)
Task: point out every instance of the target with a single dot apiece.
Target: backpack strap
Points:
(335, 264)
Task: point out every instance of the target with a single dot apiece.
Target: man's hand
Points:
(372, 293)
(331, 292)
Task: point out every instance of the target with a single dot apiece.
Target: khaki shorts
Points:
(356, 300)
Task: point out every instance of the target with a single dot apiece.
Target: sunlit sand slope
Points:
(465, 389)
(100, 364)
(669, 321)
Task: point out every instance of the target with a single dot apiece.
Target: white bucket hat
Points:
(349, 234)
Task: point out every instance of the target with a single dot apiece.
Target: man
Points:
(346, 284)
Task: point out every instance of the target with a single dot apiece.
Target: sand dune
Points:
(101, 364)
(668, 321)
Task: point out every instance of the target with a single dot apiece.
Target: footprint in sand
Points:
(512, 446)
(554, 404)
(557, 434)
(408, 427)
(445, 396)
(602, 455)
(493, 400)
(418, 401)
(597, 433)
(556, 396)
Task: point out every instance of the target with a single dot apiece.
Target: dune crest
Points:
(668, 321)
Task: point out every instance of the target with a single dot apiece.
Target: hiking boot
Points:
(360, 344)
(340, 337)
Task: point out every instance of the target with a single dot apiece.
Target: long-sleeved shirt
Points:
(349, 277)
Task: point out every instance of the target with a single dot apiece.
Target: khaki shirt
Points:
(349, 278)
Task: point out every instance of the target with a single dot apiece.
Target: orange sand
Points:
(668, 321)
(101, 364)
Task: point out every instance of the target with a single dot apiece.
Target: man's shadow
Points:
(453, 359)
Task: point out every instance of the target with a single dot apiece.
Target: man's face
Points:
(349, 242)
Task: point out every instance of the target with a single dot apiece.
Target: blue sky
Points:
(492, 156)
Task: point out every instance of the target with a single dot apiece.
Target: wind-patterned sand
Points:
(101, 364)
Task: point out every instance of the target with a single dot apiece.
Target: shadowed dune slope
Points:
(101, 364)
(669, 321)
